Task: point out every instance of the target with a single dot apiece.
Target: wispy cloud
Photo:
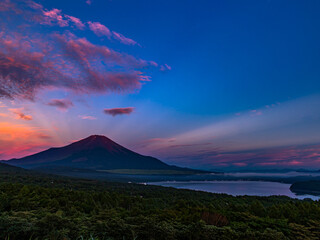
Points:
(118, 111)
(86, 117)
(99, 29)
(32, 64)
(123, 39)
(32, 61)
(79, 24)
(19, 114)
(54, 16)
(2, 105)
(278, 135)
(62, 104)
(165, 67)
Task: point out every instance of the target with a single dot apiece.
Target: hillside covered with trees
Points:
(38, 206)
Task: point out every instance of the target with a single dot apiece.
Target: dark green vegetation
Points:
(38, 206)
(306, 187)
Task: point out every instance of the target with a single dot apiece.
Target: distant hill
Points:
(6, 168)
(98, 153)
(306, 187)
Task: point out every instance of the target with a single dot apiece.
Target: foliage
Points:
(37, 206)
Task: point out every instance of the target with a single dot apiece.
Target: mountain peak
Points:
(96, 141)
(94, 152)
(96, 138)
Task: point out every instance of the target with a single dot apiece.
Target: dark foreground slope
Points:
(97, 153)
(35, 206)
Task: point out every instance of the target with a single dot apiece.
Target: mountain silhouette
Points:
(93, 153)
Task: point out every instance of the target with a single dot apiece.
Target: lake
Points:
(237, 188)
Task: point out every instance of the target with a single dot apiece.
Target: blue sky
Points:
(226, 56)
(219, 65)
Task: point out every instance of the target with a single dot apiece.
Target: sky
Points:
(203, 84)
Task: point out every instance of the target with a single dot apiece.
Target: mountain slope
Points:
(6, 168)
(95, 153)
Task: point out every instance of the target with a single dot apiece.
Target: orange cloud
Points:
(17, 140)
(20, 115)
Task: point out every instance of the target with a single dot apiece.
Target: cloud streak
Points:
(99, 29)
(53, 17)
(86, 117)
(269, 136)
(79, 24)
(118, 111)
(62, 104)
(123, 39)
(56, 17)
(74, 64)
(20, 115)
(32, 61)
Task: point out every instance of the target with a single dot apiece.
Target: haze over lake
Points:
(237, 188)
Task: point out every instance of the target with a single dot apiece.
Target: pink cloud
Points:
(34, 5)
(20, 115)
(2, 105)
(240, 164)
(32, 60)
(64, 61)
(118, 111)
(294, 163)
(8, 5)
(62, 104)
(76, 21)
(123, 39)
(99, 29)
(5, 5)
(165, 67)
(54, 16)
(84, 117)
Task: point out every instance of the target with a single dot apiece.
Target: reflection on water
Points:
(236, 188)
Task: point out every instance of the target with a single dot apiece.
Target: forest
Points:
(40, 206)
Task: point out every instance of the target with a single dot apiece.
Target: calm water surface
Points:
(237, 188)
